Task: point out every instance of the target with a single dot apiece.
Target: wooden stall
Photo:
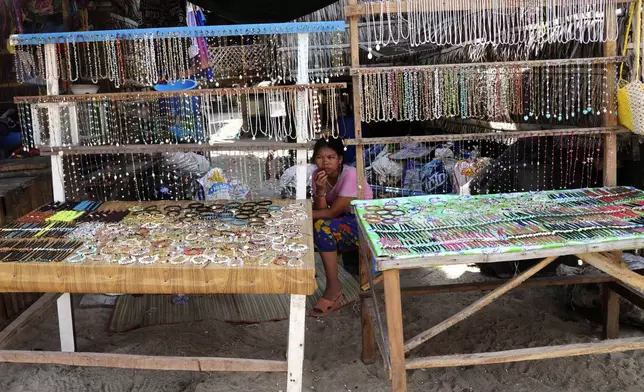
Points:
(445, 91)
(162, 247)
(592, 224)
(120, 146)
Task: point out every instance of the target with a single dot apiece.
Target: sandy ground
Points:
(524, 318)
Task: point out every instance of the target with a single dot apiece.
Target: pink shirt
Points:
(347, 186)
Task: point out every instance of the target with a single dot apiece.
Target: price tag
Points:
(277, 109)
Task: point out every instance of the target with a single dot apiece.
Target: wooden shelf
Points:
(478, 136)
(241, 145)
(174, 94)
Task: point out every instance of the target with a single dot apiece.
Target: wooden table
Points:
(429, 231)
(95, 277)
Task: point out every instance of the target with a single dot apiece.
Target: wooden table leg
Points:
(295, 356)
(393, 306)
(368, 336)
(66, 323)
(610, 312)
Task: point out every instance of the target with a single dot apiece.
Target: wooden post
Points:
(55, 133)
(393, 306)
(356, 93)
(66, 323)
(302, 109)
(65, 316)
(368, 336)
(610, 312)
(296, 328)
(610, 118)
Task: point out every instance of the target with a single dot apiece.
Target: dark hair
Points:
(333, 143)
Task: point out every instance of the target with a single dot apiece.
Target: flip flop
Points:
(324, 306)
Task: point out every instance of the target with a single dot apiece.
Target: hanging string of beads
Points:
(495, 91)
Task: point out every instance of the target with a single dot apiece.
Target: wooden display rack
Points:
(389, 335)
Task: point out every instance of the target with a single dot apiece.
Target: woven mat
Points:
(132, 312)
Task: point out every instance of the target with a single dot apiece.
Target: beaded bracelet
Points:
(295, 262)
(177, 259)
(300, 248)
(192, 251)
(200, 260)
(149, 259)
(220, 259)
(76, 258)
(238, 222)
(266, 260)
(126, 259)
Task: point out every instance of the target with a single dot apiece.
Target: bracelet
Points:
(200, 259)
(177, 259)
(323, 195)
(150, 259)
(235, 262)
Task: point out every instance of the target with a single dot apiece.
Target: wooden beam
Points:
(387, 7)
(608, 265)
(385, 263)
(629, 294)
(172, 94)
(476, 306)
(528, 284)
(388, 70)
(31, 315)
(376, 279)
(527, 354)
(244, 145)
(395, 6)
(484, 135)
(148, 362)
(393, 307)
